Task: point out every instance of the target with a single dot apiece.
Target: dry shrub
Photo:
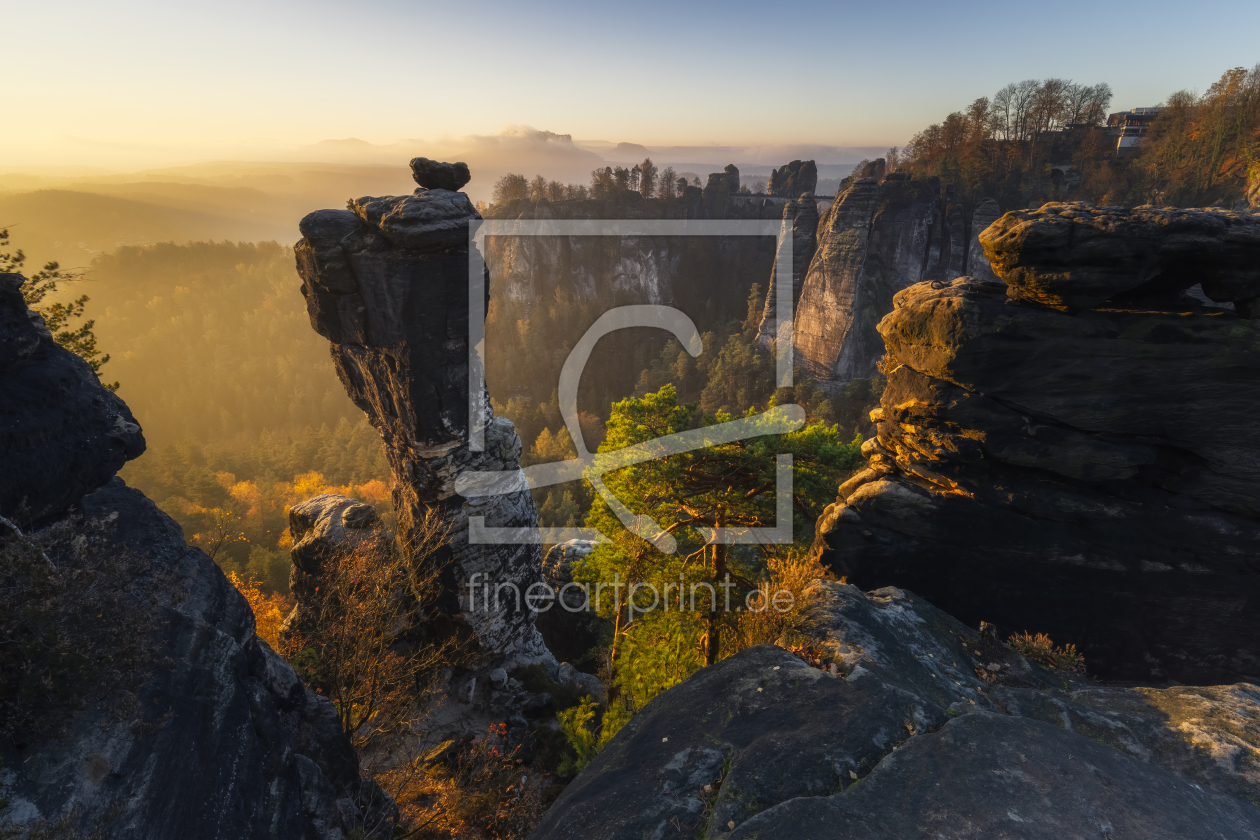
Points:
(72, 632)
(470, 790)
(269, 610)
(1042, 650)
(367, 639)
(768, 621)
(368, 647)
(372, 647)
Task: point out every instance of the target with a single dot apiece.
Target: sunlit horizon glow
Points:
(144, 83)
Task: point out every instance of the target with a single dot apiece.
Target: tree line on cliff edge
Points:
(611, 183)
(1201, 149)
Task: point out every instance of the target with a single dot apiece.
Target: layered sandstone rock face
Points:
(671, 270)
(910, 724)
(1077, 255)
(63, 435)
(388, 284)
(800, 217)
(209, 733)
(875, 240)
(1087, 473)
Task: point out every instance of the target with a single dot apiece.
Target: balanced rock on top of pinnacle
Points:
(435, 175)
(1078, 255)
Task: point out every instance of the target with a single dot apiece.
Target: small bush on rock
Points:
(578, 727)
(74, 632)
(364, 647)
(1042, 650)
(269, 610)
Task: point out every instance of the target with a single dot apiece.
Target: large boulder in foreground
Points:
(136, 699)
(213, 736)
(904, 739)
(1092, 476)
(61, 433)
(1078, 255)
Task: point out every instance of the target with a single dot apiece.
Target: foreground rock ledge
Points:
(214, 735)
(906, 741)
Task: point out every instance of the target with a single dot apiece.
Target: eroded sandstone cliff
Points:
(800, 220)
(1088, 473)
(877, 238)
(387, 284)
(794, 179)
(911, 724)
(160, 713)
(673, 270)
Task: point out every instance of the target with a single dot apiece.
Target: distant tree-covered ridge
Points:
(1201, 149)
(609, 183)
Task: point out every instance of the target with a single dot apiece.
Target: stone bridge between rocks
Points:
(823, 201)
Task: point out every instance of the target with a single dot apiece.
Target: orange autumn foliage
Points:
(269, 610)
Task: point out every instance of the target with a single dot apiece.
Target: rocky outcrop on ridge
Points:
(1078, 255)
(325, 529)
(793, 179)
(213, 735)
(800, 216)
(917, 726)
(876, 239)
(1090, 474)
(387, 284)
(63, 435)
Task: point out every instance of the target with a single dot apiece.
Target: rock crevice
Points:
(877, 238)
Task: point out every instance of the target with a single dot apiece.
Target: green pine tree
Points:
(60, 318)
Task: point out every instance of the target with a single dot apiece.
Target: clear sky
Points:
(162, 74)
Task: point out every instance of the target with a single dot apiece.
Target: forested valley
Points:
(244, 416)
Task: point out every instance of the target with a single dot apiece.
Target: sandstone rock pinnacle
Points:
(387, 284)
